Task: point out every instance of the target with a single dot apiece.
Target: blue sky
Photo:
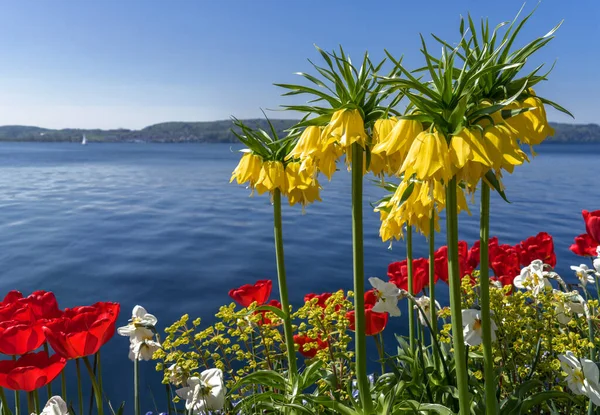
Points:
(132, 63)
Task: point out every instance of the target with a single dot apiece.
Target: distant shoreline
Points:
(218, 132)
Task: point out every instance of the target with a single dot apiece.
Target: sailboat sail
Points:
(84, 141)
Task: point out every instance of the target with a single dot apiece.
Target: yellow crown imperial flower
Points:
(531, 127)
(308, 145)
(248, 169)
(397, 142)
(428, 158)
(272, 176)
(346, 128)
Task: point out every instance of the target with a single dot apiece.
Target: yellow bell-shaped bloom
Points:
(382, 129)
(503, 147)
(297, 178)
(272, 176)
(346, 127)
(248, 169)
(400, 138)
(304, 196)
(428, 158)
(531, 127)
(309, 144)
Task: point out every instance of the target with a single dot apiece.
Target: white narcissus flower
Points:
(140, 325)
(176, 375)
(567, 305)
(55, 406)
(584, 274)
(583, 376)
(142, 349)
(204, 393)
(387, 297)
(533, 278)
(424, 303)
(472, 327)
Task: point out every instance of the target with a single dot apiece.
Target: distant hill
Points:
(219, 132)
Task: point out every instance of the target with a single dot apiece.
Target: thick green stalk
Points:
(411, 311)
(96, 388)
(36, 401)
(491, 404)
(30, 404)
(79, 386)
(283, 292)
(432, 308)
(462, 381)
(136, 387)
(359, 279)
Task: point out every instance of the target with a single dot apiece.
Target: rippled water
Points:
(159, 225)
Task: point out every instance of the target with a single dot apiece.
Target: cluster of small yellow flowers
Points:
(324, 334)
(297, 182)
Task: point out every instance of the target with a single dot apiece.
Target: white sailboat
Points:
(83, 141)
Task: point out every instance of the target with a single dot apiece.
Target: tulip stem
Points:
(484, 283)
(281, 279)
(454, 280)
(359, 279)
(5, 408)
(17, 397)
(30, 403)
(411, 311)
(63, 384)
(49, 386)
(432, 307)
(136, 387)
(36, 401)
(97, 394)
(79, 386)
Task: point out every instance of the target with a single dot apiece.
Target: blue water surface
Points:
(160, 225)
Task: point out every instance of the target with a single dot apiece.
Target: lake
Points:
(160, 225)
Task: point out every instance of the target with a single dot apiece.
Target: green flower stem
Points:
(5, 408)
(359, 279)
(63, 384)
(96, 388)
(136, 387)
(283, 293)
(462, 381)
(79, 386)
(49, 386)
(36, 401)
(17, 397)
(491, 403)
(30, 403)
(411, 311)
(432, 309)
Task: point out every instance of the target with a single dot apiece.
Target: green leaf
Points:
(491, 178)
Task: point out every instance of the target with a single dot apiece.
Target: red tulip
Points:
(370, 299)
(322, 298)
(584, 245)
(247, 294)
(309, 351)
(592, 224)
(539, 247)
(20, 331)
(398, 274)
(266, 320)
(464, 266)
(374, 322)
(43, 304)
(11, 297)
(31, 371)
(82, 330)
(504, 261)
(473, 256)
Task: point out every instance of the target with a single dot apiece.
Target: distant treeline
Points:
(219, 132)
